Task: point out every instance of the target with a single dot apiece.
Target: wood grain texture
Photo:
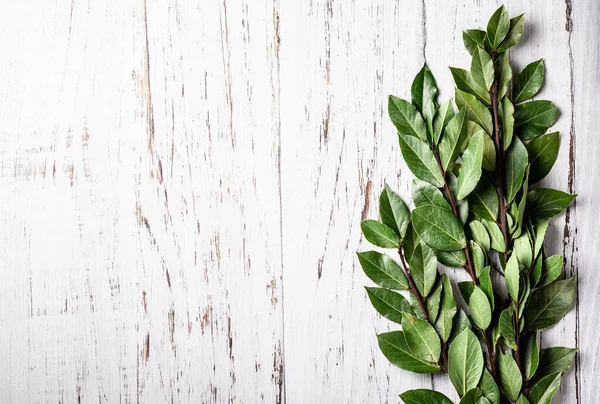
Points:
(182, 184)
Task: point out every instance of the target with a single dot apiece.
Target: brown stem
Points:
(413, 287)
(488, 344)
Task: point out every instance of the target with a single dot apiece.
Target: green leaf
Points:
(506, 326)
(421, 338)
(544, 390)
(424, 93)
(507, 117)
(536, 271)
(421, 160)
(423, 396)
(395, 348)
(379, 234)
(389, 304)
(424, 193)
(543, 152)
(531, 354)
(555, 360)
(478, 256)
(549, 304)
(406, 118)
(462, 205)
(489, 150)
(460, 322)
(544, 203)
(480, 234)
(465, 82)
(523, 400)
(473, 396)
(410, 242)
(484, 200)
(383, 270)
(517, 25)
(465, 361)
(522, 205)
(455, 135)
(473, 38)
(443, 324)
(470, 168)
(454, 259)
(540, 234)
(523, 250)
(511, 275)
(482, 68)
(515, 165)
(551, 269)
(496, 237)
(498, 27)
(533, 118)
(433, 302)
(443, 115)
(485, 283)
(439, 228)
(393, 211)
(529, 81)
(489, 388)
(478, 112)
(479, 305)
(510, 376)
(503, 75)
(423, 267)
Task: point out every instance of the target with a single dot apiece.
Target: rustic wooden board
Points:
(182, 184)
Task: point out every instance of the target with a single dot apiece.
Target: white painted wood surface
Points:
(182, 184)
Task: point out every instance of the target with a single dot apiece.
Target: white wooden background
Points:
(182, 182)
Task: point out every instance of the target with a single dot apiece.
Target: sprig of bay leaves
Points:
(476, 206)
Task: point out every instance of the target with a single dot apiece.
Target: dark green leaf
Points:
(423, 267)
(443, 324)
(470, 168)
(549, 304)
(503, 75)
(443, 115)
(389, 304)
(496, 237)
(393, 211)
(465, 361)
(485, 282)
(529, 81)
(489, 388)
(510, 376)
(454, 259)
(484, 200)
(460, 322)
(555, 359)
(379, 234)
(424, 93)
(473, 38)
(544, 389)
(480, 234)
(523, 250)
(498, 27)
(517, 25)
(473, 396)
(533, 118)
(410, 242)
(507, 111)
(543, 152)
(489, 150)
(544, 203)
(536, 271)
(395, 348)
(466, 290)
(406, 118)
(522, 400)
(426, 194)
(423, 396)
(551, 269)
(383, 270)
(479, 306)
(421, 160)
(433, 301)
(482, 68)
(421, 338)
(478, 257)
(478, 112)
(455, 135)
(465, 82)
(531, 355)
(506, 326)
(514, 170)
(439, 228)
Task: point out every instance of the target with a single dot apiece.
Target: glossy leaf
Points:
(506, 326)
(507, 117)
(510, 376)
(465, 361)
(443, 324)
(379, 234)
(424, 193)
(488, 387)
(455, 135)
(420, 160)
(517, 26)
(531, 355)
(423, 267)
(476, 111)
(484, 200)
(551, 269)
(503, 75)
(514, 168)
(480, 235)
(543, 152)
(421, 338)
(389, 304)
(395, 348)
(479, 306)
(544, 203)
(511, 275)
(433, 302)
(533, 118)
(464, 81)
(496, 237)
(393, 211)
(485, 283)
(439, 228)
(529, 81)
(498, 27)
(383, 270)
(423, 396)
(549, 304)
(470, 168)
(553, 360)
(482, 68)
(424, 93)
(523, 250)
(442, 116)
(473, 38)
(454, 259)
(406, 118)
(473, 396)
(544, 389)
